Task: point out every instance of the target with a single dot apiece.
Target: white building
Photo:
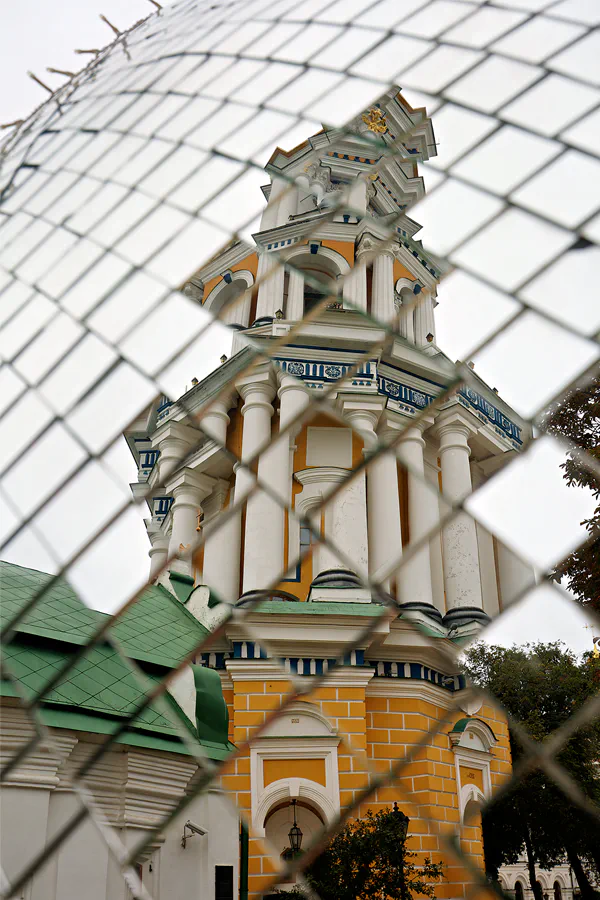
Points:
(139, 780)
(557, 883)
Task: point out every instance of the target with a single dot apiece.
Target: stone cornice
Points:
(411, 690)
(254, 670)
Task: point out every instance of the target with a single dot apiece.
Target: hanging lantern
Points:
(402, 821)
(295, 833)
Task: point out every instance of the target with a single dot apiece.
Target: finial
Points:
(195, 382)
(223, 358)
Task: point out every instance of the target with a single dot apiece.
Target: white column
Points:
(295, 299)
(270, 278)
(461, 553)
(515, 575)
(435, 544)
(383, 508)
(406, 318)
(423, 319)
(357, 196)
(215, 420)
(317, 483)
(382, 295)
(414, 578)
(363, 414)
(221, 570)
(264, 533)
(354, 289)
(281, 204)
(288, 203)
(487, 562)
(158, 551)
(293, 398)
(189, 489)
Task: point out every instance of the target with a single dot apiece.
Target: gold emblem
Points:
(375, 120)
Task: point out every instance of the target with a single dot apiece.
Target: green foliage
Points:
(542, 686)
(578, 419)
(369, 860)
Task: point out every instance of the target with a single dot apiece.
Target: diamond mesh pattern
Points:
(117, 196)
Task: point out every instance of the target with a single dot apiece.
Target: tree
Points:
(541, 686)
(369, 860)
(578, 419)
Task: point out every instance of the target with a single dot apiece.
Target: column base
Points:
(252, 596)
(338, 585)
(427, 609)
(465, 615)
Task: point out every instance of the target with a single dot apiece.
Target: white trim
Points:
(342, 264)
(326, 798)
(255, 670)
(473, 759)
(481, 730)
(412, 689)
(240, 312)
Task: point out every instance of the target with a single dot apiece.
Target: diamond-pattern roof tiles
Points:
(157, 628)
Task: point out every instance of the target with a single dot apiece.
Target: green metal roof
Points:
(156, 628)
(102, 688)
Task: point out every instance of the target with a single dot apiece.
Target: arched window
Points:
(230, 299)
(557, 891)
(313, 274)
(519, 894)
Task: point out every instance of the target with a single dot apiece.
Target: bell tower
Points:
(344, 560)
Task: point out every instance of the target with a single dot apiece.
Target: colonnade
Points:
(364, 519)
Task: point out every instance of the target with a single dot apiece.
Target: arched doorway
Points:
(557, 891)
(519, 893)
(280, 820)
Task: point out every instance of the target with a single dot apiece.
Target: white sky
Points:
(522, 365)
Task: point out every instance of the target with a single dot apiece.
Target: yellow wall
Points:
(249, 262)
(375, 733)
(312, 769)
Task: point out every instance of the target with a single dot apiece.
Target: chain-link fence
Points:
(131, 205)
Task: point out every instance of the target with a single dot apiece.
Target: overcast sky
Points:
(37, 34)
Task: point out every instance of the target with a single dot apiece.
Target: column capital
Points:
(455, 420)
(176, 431)
(261, 381)
(216, 499)
(370, 406)
(374, 246)
(363, 414)
(195, 484)
(288, 382)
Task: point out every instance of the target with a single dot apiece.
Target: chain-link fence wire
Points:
(156, 149)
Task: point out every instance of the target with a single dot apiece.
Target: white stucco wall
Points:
(39, 800)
